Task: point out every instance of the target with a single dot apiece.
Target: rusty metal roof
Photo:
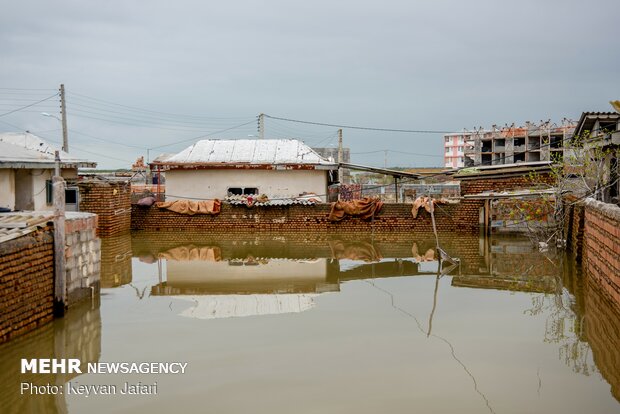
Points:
(214, 152)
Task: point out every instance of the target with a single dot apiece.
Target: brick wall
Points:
(296, 218)
(602, 328)
(601, 244)
(26, 283)
(111, 201)
(76, 335)
(116, 260)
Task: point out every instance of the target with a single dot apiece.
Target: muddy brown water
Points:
(331, 324)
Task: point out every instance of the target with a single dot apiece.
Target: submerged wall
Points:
(27, 273)
(299, 218)
(601, 245)
(26, 283)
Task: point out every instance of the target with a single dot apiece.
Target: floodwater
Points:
(332, 324)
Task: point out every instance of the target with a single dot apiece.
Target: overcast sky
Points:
(422, 65)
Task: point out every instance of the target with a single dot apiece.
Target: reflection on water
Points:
(366, 323)
(77, 335)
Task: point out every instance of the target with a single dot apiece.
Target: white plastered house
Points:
(26, 168)
(278, 168)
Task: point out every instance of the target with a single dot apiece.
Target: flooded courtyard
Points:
(327, 323)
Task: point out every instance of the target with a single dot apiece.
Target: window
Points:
(448, 150)
(49, 193)
(460, 149)
(237, 191)
(71, 195)
(447, 139)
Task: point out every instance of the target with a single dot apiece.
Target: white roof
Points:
(230, 306)
(26, 148)
(248, 151)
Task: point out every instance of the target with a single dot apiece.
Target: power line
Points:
(396, 152)
(114, 104)
(28, 106)
(411, 131)
(203, 136)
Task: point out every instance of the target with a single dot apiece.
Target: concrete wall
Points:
(25, 189)
(210, 184)
(82, 256)
(39, 179)
(26, 283)
(7, 189)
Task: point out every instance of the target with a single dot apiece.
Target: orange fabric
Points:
(191, 252)
(365, 208)
(423, 201)
(191, 207)
(354, 251)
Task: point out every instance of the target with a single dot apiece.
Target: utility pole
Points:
(340, 158)
(63, 112)
(385, 158)
(261, 125)
(60, 274)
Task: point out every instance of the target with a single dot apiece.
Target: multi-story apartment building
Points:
(507, 145)
(454, 149)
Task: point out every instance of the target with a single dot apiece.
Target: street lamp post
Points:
(65, 139)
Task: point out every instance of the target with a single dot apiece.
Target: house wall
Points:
(7, 189)
(39, 179)
(25, 189)
(210, 184)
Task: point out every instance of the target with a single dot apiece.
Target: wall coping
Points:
(610, 211)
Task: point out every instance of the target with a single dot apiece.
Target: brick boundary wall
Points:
(602, 329)
(111, 201)
(601, 245)
(26, 283)
(300, 218)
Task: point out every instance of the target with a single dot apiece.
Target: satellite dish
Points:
(616, 105)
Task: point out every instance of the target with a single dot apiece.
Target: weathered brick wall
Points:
(111, 201)
(601, 243)
(470, 209)
(476, 185)
(573, 227)
(82, 256)
(602, 328)
(26, 283)
(299, 218)
(116, 260)
(76, 335)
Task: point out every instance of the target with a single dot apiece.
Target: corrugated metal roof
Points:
(239, 201)
(14, 225)
(24, 147)
(248, 151)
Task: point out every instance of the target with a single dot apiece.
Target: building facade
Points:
(26, 168)
(454, 149)
(217, 169)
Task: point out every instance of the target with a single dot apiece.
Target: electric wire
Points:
(28, 106)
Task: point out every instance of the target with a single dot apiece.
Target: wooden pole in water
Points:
(60, 275)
